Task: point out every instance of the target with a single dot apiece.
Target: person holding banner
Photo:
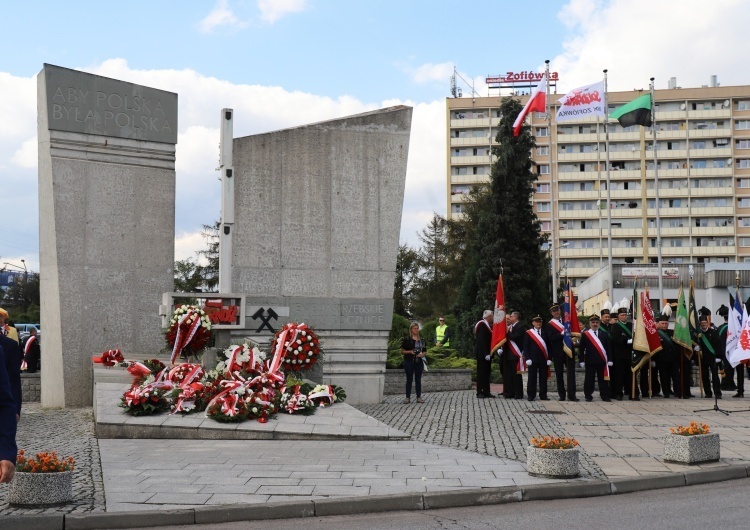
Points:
(727, 377)
(595, 357)
(622, 340)
(667, 359)
(513, 357)
(483, 353)
(538, 360)
(554, 331)
(709, 359)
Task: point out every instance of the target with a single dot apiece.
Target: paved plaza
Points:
(458, 442)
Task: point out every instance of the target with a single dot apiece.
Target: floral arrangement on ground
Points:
(189, 331)
(553, 442)
(693, 429)
(247, 383)
(45, 462)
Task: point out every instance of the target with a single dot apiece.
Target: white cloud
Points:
(273, 10)
(428, 73)
(187, 243)
(221, 15)
(688, 40)
(26, 155)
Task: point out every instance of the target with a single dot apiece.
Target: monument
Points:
(106, 223)
(317, 217)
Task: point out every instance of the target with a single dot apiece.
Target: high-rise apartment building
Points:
(702, 169)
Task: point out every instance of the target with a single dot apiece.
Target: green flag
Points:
(681, 324)
(637, 112)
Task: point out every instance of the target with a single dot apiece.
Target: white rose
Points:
(307, 360)
(255, 410)
(309, 354)
(299, 341)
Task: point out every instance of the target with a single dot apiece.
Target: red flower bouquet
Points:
(302, 347)
(189, 331)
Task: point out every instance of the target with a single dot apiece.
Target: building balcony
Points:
(576, 138)
(712, 192)
(616, 137)
(704, 212)
(667, 173)
(671, 135)
(579, 252)
(626, 252)
(625, 212)
(578, 157)
(626, 232)
(710, 171)
(624, 155)
(713, 230)
(471, 160)
(712, 152)
(670, 251)
(475, 122)
(470, 179)
(458, 197)
(622, 174)
(670, 231)
(622, 194)
(670, 115)
(579, 195)
(667, 153)
(456, 142)
(572, 233)
(578, 214)
(581, 272)
(668, 193)
(714, 251)
(669, 212)
(707, 114)
(710, 133)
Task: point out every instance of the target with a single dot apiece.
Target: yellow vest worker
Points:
(442, 334)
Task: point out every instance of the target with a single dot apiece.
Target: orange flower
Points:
(557, 442)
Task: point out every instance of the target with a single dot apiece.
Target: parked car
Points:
(24, 330)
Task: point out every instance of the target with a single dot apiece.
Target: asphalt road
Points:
(720, 505)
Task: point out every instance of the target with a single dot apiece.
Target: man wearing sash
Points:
(537, 357)
(727, 379)
(594, 356)
(483, 334)
(554, 332)
(667, 360)
(513, 357)
(622, 340)
(707, 345)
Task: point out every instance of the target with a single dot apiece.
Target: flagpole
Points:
(553, 244)
(610, 274)
(656, 188)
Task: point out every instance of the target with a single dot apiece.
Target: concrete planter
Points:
(552, 463)
(694, 449)
(36, 489)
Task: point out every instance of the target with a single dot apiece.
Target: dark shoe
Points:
(480, 396)
(619, 398)
(574, 399)
(489, 395)
(738, 395)
(543, 399)
(518, 397)
(562, 398)
(589, 399)
(708, 396)
(531, 399)
(666, 396)
(636, 398)
(606, 399)
(508, 396)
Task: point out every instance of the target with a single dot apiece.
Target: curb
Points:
(373, 504)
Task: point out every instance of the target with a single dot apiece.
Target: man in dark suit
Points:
(554, 333)
(8, 422)
(483, 355)
(512, 350)
(32, 352)
(595, 357)
(537, 359)
(13, 368)
(708, 345)
(667, 359)
(622, 340)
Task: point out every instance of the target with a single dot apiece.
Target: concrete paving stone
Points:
(129, 520)
(177, 488)
(129, 507)
(285, 490)
(247, 489)
(174, 498)
(250, 474)
(236, 498)
(341, 491)
(332, 430)
(452, 482)
(299, 428)
(220, 478)
(353, 466)
(415, 473)
(321, 420)
(379, 481)
(367, 474)
(478, 475)
(326, 482)
(396, 489)
(266, 481)
(245, 467)
(302, 473)
(369, 432)
(472, 482)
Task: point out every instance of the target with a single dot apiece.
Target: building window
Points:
(544, 150)
(743, 144)
(542, 188)
(542, 207)
(743, 203)
(742, 125)
(544, 131)
(547, 226)
(455, 208)
(744, 241)
(543, 169)
(743, 163)
(744, 221)
(743, 105)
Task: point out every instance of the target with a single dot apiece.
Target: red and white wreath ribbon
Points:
(109, 358)
(183, 338)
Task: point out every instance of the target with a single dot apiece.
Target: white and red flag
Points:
(645, 335)
(582, 102)
(742, 351)
(536, 103)
(499, 326)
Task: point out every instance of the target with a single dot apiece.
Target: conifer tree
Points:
(502, 229)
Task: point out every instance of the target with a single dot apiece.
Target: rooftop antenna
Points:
(456, 90)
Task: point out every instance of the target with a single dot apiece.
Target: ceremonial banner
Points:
(500, 327)
(637, 112)
(737, 353)
(582, 102)
(682, 324)
(570, 321)
(645, 336)
(695, 329)
(536, 103)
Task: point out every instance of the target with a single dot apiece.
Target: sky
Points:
(284, 63)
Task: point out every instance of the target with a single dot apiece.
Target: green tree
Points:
(407, 272)
(188, 276)
(210, 271)
(503, 232)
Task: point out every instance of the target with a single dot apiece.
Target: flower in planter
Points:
(556, 442)
(45, 462)
(691, 430)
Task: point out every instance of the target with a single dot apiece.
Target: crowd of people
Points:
(605, 351)
(10, 396)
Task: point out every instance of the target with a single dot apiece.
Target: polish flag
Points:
(536, 103)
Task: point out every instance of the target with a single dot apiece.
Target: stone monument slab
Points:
(106, 222)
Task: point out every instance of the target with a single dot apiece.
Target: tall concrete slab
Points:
(106, 223)
(317, 222)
